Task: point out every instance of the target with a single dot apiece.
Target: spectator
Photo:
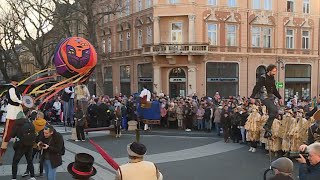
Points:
(39, 125)
(80, 123)
(179, 112)
(225, 123)
(310, 170)
(68, 104)
(283, 169)
(163, 114)
(172, 116)
(200, 114)
(217, 119)
(207, 116)
(53, 148)
(24, 132)
(137, 168)
(57, 109)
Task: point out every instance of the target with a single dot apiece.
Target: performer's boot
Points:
(267, 133)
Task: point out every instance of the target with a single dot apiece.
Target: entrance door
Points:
(177, 82)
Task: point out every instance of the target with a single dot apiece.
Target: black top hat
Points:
(82, 166)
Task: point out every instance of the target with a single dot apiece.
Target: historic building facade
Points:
(181, 47)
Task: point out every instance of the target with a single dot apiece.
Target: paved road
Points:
(179, 155)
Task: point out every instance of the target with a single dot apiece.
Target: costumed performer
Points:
(145, 96)
(13, 109)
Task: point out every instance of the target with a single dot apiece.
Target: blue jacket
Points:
(309, 172)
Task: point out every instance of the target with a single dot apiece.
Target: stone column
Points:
(192, 79)
(156, 79)
(156, 30)
(192, 28)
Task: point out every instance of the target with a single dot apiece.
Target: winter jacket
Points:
(309, 172)
(281, 177)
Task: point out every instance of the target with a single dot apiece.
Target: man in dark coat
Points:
(52, 145)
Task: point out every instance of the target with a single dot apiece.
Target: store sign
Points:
(145, 80)
(177, 80)
(222, 79)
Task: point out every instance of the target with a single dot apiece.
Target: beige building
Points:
(181, 47)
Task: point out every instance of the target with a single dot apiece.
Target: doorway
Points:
(177, 82)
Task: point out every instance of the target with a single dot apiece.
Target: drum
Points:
(28, 101)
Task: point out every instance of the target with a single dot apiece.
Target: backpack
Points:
(28, 134)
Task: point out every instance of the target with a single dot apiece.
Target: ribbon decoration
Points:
(105, 155)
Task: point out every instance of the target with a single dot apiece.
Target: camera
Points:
(296, 155)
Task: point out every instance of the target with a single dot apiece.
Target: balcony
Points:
(176, 49)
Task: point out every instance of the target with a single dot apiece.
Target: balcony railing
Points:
(203, 49)
(175, 49)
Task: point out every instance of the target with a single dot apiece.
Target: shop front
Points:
(297, 81)
(177, 82)
(223, 78)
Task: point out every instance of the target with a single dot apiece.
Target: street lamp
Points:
(280, 66)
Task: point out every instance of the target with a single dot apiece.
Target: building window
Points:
(231, 35)
(267, 34)
(149, 35)
(148, 3)
(128, 40)
(290, 39)
(306, 6)
(256, 36)
(139, 6)
(305, 40)
(120, 42)
(232, 3)
(176, 32)
(173, 1)
(103, 46)
(217, 80)
(268, 4)
(125, 80)
(127, 7)
(140, 38)
(145, 76)
(109, 44)
(108, 84)
(297, 80)
(256, 4)
(290, 5)
(212, 34)
(212, 2)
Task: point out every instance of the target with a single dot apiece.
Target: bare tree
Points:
(34, 20)
(9, 52)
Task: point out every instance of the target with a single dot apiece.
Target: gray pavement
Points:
(179, 155)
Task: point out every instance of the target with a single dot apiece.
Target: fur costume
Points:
(299, 133)
(287, 122)
(275, 141)
(263, 121)
(253, 125)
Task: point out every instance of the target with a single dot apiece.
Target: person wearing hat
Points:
(283, 169)
(13, 109)
(82, 167)
(137, 168)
